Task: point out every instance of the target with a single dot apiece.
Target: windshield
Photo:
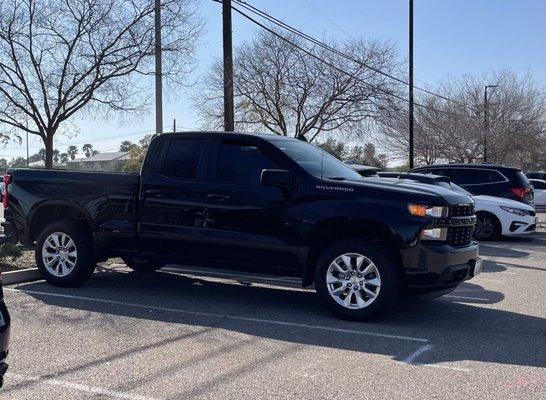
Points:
(316, 161)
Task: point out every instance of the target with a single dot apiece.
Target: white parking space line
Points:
(423, 349)
(413, 356)
(80, 387)
(223, 316)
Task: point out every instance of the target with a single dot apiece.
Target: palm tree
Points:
(87, 149)
(72, 151)
(126, 145)
(64, 158)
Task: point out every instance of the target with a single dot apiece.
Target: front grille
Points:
(461, 210)
(459, 236)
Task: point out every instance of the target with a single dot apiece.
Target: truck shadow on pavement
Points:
(495, 251)
(457, 331)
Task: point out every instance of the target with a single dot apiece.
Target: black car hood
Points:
(384, 187)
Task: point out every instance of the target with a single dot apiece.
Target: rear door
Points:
(251, 226)
(171, 210)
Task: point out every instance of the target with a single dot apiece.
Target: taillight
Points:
(5, 195)
(521, 192)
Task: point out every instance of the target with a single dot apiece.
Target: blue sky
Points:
(452, 37)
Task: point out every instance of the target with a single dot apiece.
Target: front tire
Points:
(64, 254)
(487, 227)
(358, 279)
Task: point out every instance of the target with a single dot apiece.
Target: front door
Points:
(251, 225)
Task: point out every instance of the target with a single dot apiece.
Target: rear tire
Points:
(64, 254)
(142, 266)
(488, 227)
(358, 279)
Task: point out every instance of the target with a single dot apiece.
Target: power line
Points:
(101, 139)
(389, 93)
(317, 42)
(327, 18)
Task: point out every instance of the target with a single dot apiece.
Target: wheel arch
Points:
(51, 211)
(329, 231)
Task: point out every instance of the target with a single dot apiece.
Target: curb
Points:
(23, 275)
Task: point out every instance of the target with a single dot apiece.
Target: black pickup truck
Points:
(249, 202)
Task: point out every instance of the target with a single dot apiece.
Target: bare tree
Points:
(60, 57)
(283, 90)
(455, 130)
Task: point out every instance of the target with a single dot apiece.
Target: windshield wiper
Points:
(337, 178)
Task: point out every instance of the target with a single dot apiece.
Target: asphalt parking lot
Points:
(186, 334)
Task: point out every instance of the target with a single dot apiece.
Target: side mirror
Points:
(280, 178)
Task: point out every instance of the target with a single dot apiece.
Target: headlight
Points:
(517, 211)
(420, 210)
(434, 234)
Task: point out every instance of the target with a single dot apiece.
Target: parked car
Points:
(496, 216)
(256, 202)
(486, 179)
(536, 175)
(540, 193)
(4, 334)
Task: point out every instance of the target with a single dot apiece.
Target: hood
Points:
(483, 200)
(413, 191)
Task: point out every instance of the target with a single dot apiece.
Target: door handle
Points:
(217, 196)
(154, 193)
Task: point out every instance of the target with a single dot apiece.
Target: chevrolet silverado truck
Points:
(263, 203)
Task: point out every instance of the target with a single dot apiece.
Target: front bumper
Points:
(521, 226)
(431, 267)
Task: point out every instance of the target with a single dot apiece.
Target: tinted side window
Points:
(184, 157)
(539, 185)
(470, 176)
(241, 163)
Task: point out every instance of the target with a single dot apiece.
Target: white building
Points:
(100, 162)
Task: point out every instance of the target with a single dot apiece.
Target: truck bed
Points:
(108, 199)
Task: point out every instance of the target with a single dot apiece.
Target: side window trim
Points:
(443, 171)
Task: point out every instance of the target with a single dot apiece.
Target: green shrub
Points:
(10, 251)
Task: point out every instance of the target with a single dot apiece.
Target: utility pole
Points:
(158, 71)
(229, 119)
(27, 150)
(486, 119)
(411, 84)
(174, 125)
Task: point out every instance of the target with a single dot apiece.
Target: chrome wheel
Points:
(353, 281)
(59, 254)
